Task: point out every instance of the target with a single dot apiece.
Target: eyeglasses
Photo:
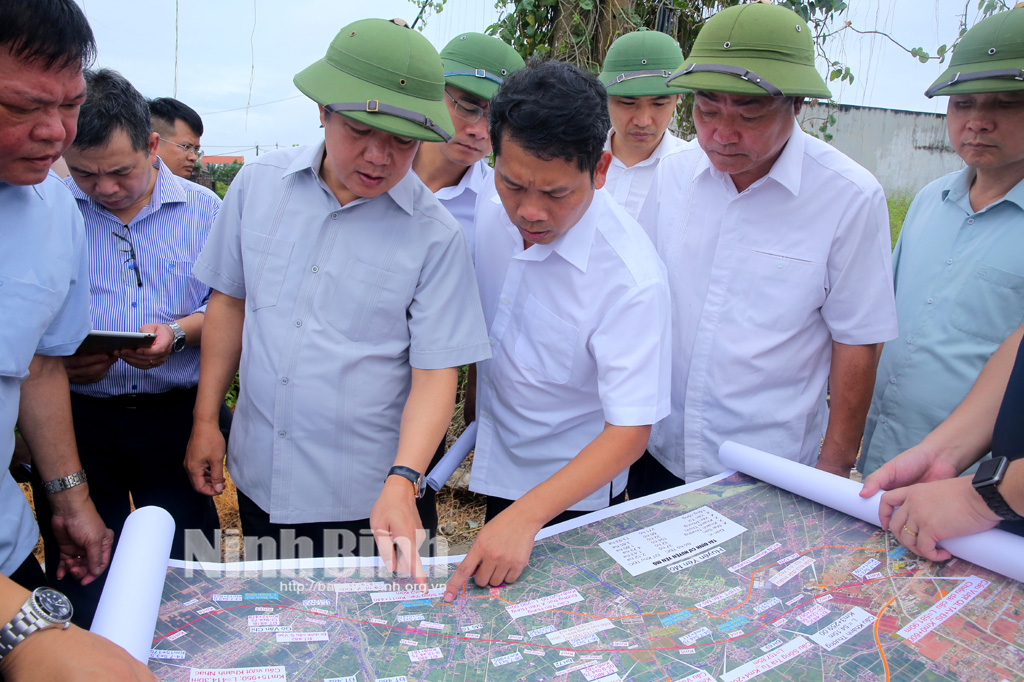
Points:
(131, 261)
(466, 111)
(188, 148)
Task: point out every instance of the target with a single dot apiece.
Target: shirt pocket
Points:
(989, 304)
(20, 333)
(546, 344)
(777, 292)
(265, 262)
(368, 302)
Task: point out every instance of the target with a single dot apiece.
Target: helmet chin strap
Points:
(745, 74)
(1014, 74)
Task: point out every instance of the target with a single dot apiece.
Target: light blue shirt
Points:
(340, 303)
(44, 305)
(959, 278)
(167, 235)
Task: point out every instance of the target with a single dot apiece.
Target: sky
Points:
(233, 60)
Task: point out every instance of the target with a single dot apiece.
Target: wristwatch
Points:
(411, 475)
(45, 608)
(66, 483)
(986, 481)
(178, 344)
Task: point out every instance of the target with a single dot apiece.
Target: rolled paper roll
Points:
(451, 460)
(130, 603)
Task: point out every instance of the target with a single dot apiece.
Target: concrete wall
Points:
(905, 150)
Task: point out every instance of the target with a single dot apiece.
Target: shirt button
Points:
(970, 221)
(883, 420)
(282, 433)
(334, 216)
(315, 269)
(284, 380)
(494, 342)
(910, 341)
(892, 380)
(298, 323)
(506, 300)
(931, 300)
(487, 381)
(949, 261)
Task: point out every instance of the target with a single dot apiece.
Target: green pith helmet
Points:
(989, 58)
(478, 63)
(753, 49)
(384, 75)
(638, 63)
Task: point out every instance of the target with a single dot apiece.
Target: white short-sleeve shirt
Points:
(341, 302)
(629, 185)
(579, 330)
(461, 199)
(762, 282)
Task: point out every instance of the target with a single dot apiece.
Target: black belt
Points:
(136, 401)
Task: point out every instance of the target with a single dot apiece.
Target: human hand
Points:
(499, 554)
(155, 355)
(922, 515)
(82, 537)
(919, 464)
(397, 529)
(71, 655)
(204, 458)
(88, 369)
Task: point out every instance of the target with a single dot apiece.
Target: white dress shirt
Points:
(762, 282)
(340, 303)
(629, 185)
(579, 330)
(461, 199)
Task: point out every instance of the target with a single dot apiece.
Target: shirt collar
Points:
(573, 245)
(471, 180)
(785, 171)
(958, 190)
(311, 158)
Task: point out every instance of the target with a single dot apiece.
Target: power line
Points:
(262, 104)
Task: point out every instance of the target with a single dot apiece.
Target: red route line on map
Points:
(545, 646)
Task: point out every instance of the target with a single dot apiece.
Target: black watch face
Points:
(53, 603)
(988, 472)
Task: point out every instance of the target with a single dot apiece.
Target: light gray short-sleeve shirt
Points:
(340, 303)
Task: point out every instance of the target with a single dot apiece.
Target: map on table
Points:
(733, 580)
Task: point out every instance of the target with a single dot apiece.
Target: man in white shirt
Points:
(641, 107)
(778, 249)
(576, 304)
(456, 171)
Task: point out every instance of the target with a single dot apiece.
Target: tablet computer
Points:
(107, 342)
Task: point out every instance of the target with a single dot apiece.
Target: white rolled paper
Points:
(451, 460)
(993, 549)
(130, 602)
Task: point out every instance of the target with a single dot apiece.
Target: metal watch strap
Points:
(60, 484)
(993, 498)
(28, 620)
(178, 344)
(411, 475)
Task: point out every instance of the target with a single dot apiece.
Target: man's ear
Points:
(601, 172)
(151, 144)
(323, 116)
(798, 105)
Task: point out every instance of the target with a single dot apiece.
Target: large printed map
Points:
(732, 581)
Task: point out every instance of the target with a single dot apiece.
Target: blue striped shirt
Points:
(167, 236)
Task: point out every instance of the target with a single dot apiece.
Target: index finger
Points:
(386, 548)
(887, 505)
(462, 575)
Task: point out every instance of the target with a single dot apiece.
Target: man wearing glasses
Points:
(145, 226)
(457, 171)
(180, 128)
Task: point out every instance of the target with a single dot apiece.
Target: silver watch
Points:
(45, 608)
(178, 344)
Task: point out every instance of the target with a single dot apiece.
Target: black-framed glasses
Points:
(125, 240)
(465, 110)
(187, 148)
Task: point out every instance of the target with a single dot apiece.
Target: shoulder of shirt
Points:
(630, 243)
(196, 193)
(279, 159)
(827, 157)
(427, 207)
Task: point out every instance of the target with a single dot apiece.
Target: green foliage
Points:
(231, 399)
(899, 203)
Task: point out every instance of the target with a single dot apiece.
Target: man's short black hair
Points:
(111, 103)
(54, 32)
(164, 111)
(554, 111)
